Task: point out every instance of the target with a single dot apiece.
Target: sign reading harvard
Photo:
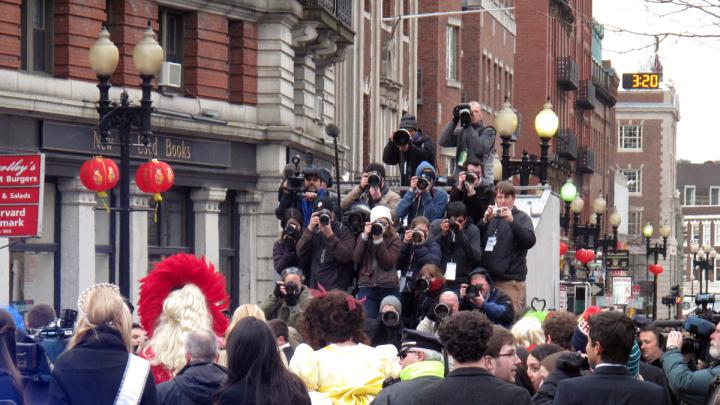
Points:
(21, 195)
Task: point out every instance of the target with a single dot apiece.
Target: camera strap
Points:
(133, 382)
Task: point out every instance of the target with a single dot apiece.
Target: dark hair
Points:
(465, 335)
(254, 363)
(7, 351)
(560, 326)
(136, 325)
(505, 188)
(499, 338)
(655, 331)
(279, 328)
(294, 214)
(456, 209)
(329, 320)
(376, 167)
(419, 220)
(40, 316)
(544, 350)
(616, 334)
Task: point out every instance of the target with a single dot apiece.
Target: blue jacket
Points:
(497, 306)
(413, 257)
(430, 204)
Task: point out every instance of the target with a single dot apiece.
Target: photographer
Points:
(416, 251)
(37, 374)
(325, 248)
(423, 199)
(473, 191)
(284, 253)
(448, 305)
(376, 252)
(316, 186)
(472, 139)
(690, 387)
(386, 328)
(459, 244)
(372, 190)
(289, 298)
(407, 148)
(482, 296)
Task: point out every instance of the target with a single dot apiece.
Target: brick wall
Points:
(206, 71)
(77, 24)
(10, 34)
(243, 62)
(128, 21)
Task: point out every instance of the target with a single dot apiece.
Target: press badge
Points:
(450, 271)
(490, 245)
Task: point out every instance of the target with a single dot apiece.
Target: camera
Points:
(291, 289)
(454, 226)
(47, 344)
(418, 236)
(421, 285)
(377, 228)
(374, 179)
(296, 182)
(441, 311)
(423, 182)
(291, 233)
(464, 113)
(470, 178)
(324, 216)
(704, 299)
(498, 211)
(356, 217)
(700, 329)
(390, 318)
(472, 291)
(401, 137)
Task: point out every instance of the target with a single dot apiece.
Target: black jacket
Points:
(464, 250)
(403, 392)
(608, 385)
(243, 394)
(91, 372)
(328, 260)
(413, 257)
(507, 259)
(476, 141)
(379, 334)
(477, 203)
(567, 366)
(194, 385)
(421, 149)
(656, 375)
(471, 385)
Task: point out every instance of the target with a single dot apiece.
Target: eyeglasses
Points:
(404, 354)
(511, 354)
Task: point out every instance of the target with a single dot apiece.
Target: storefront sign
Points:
(618, 260)
(622, 290)
(21, 195)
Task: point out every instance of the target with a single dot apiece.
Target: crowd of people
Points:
(383, 298)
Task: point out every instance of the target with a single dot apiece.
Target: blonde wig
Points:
(102, 305)
(528, 331)
(244, 311)
(184, 310)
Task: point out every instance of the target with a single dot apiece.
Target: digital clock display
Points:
(641, 81)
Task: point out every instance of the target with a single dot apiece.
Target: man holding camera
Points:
(372, 190)
(385, 328)
(325, 248)
(691, 387)
(507, 234)
(407, 148)
(448, 305)
(480, 295)
(423, 199)
(289, 298)
(459, 241)
(472, 190)
(316, 185)
(472, 139)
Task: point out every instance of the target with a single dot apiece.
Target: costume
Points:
(170, 305)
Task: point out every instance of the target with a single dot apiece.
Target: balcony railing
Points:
(586, 161)
(586, 95)
(606, 84)
(567, 73)
(566, 145)
(339, 9)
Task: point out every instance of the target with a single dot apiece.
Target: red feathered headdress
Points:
(173, 273)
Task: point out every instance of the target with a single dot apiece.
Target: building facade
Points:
(258, 84)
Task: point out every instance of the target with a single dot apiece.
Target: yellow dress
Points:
(345, 375)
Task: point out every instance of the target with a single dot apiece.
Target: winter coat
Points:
(276, 308)
(507, 261)
(378, 260)
(243, 394)
(413, 257)
(8, 390)
(284, 255)
(388, 198)
(194, 385)
(610, 384)
(476, 141)
(477, 203)
(422, 148)
(328, 260)
(414, 377)
(464, 250)
(471, 385)
(567, 366)
(689, 386)
(431, 204)
(91, 372)
(497, 306)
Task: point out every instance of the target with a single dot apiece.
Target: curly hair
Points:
(465, 335)
(560, 326)
(329, 320)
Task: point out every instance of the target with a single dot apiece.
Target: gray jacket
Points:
(403, 392)
(476, 141)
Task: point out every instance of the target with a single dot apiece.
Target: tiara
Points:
(84, 294)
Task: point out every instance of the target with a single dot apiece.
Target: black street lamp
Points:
(546, 125)
(703, 259)
(655, 250)
(608, 243)
(147, 58)
(587, 235)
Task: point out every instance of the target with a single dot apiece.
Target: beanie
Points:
(633, 364)
(381, 211)
(582, 332)
(408, 121)
(392, 301)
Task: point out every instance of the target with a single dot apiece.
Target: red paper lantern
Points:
(585, 256)
(99, 174)
(155, 177)
(655, 269)
(563, 248)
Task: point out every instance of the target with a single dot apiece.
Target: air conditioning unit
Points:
(170, 75)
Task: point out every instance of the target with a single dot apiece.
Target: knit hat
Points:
(633, 364)
(408, 121)
(582, 332)
(325, 176)
(392, 301)
(381, 211)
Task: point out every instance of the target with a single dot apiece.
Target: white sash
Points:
(133, 382)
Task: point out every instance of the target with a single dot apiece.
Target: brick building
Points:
(646, 155)
(257, 84)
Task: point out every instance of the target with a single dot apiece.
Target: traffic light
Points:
(675, 290)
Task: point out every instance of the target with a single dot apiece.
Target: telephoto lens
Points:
(377, 228)
(374, 179)
(401, 137)
(324, 217)
(390, 318)
(422, 285)
(470, 178)
(417, 236)
(441, 311)
(422, 183)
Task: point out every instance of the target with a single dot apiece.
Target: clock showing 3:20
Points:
(632, 81)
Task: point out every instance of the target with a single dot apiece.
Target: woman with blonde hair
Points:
(528, 333)
(242, 312)
(98, 366)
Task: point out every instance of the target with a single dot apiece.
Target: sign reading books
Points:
(22, 179)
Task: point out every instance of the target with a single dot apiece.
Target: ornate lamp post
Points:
(568, 192)
(655, 250)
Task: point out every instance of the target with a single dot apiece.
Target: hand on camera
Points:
(445, 227)
(364, 181)
(407, 239)
(413, 184)
(314, 222)
(310, 196)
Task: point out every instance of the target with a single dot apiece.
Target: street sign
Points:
(635, 290)
(21, 195)
(618, 260)
(562, 305)
(595, 289)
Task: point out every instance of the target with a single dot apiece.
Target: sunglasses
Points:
(404, 354)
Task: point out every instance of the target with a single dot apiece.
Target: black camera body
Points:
(45, 344)
(420, 285)
(470, 179)
(418, 236)
(296, 182)
(454, 226)
(472, 291)
(292, 234)
(401, 137)
(423, 181)
(377, 228)
(324, 217)
(465, 114)
(374, 179)
(292, 289)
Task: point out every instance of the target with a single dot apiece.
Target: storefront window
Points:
(229, 266)
(104, 253)
(171, 233)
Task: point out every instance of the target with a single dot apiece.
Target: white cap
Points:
(381, 211)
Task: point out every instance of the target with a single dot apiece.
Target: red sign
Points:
(21, 195)
(635, 290)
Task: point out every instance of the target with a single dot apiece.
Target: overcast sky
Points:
(691, 63)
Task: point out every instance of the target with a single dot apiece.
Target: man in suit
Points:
(610, 342)
(282, 337)
(465, 336)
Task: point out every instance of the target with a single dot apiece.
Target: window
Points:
(172, 35)
(172, 233)
(634, 180)
(716, 227)
(635, 222)
(419, 85)
(689, 195)
(452, 43)
(630, 137)
(706, 233)
(695, 232)
(105, 243)
(37, 35)
(228, 229)
(714, 195)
